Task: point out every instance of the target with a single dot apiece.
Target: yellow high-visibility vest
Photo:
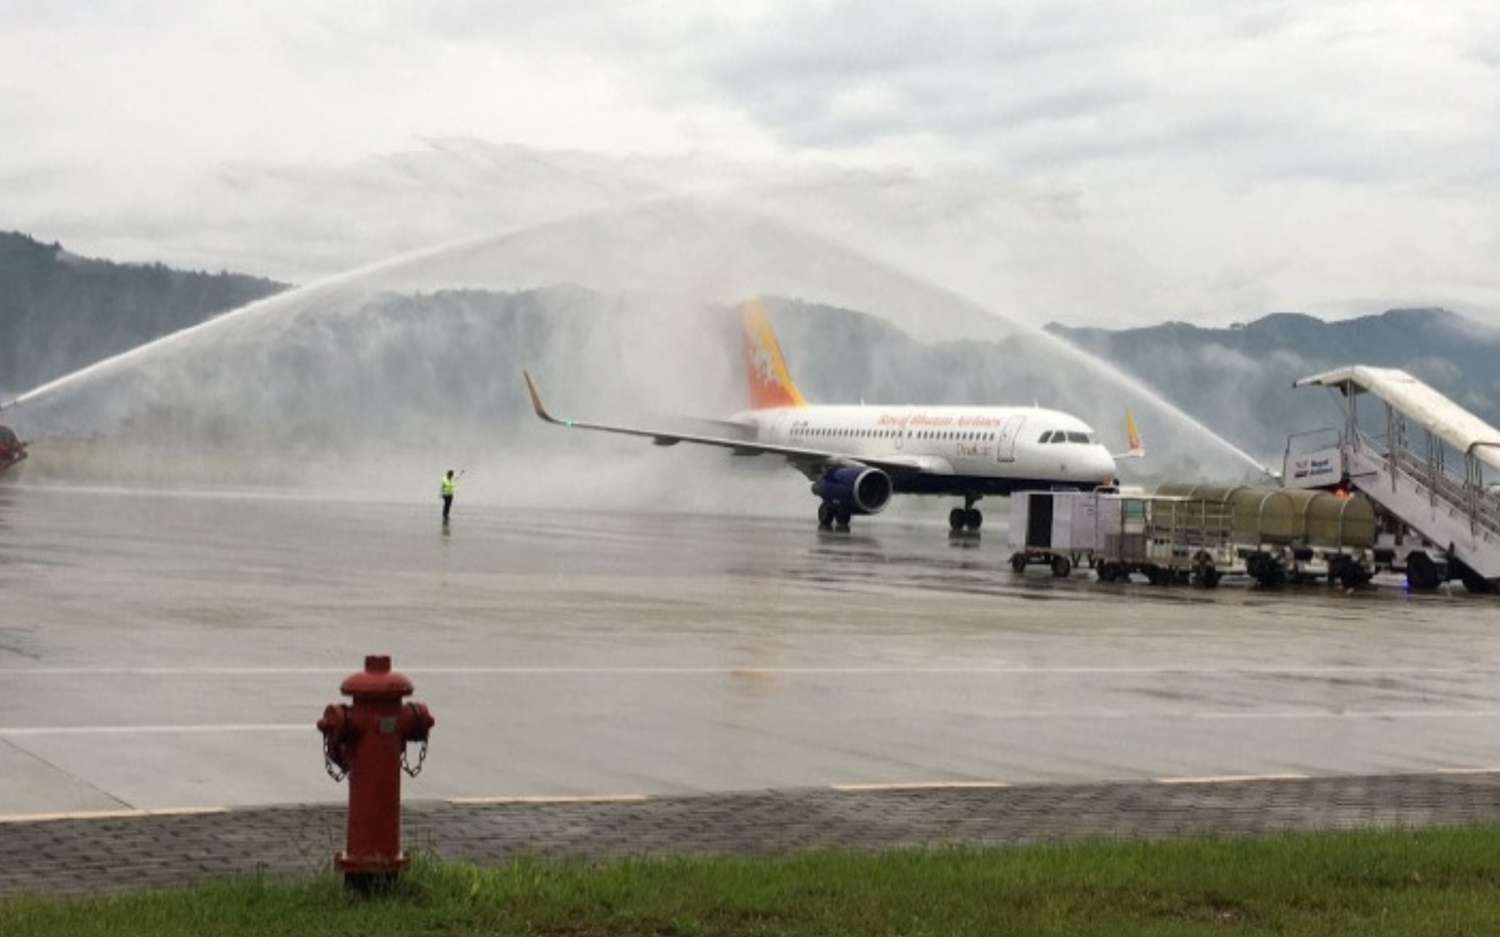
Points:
(448, 486)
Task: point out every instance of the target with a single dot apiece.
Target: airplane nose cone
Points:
(1103, 464)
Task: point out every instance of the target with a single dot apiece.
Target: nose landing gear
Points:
(966, 518)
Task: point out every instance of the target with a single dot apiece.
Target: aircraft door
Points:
(1005, 439)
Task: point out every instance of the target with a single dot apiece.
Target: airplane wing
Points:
(810, 461)
(1137, 448)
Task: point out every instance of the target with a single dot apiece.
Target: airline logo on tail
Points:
(770, 382)
(1137, 448)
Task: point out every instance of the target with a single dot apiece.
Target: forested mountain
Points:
(1241, 377)
(416, 369)
(59, 311)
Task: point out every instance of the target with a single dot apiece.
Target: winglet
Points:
(1137, 448)
(536, 400)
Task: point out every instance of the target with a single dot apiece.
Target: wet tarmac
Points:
(164, 651)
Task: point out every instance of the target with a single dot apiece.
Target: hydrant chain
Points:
(334, 771)
(421, 757)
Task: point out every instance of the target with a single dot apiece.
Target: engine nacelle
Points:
(857, 489)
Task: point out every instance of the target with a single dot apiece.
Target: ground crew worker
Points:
(448, 484)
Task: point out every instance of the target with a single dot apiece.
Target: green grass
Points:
(1392, 882)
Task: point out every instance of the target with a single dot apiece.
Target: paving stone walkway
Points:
(84, 856)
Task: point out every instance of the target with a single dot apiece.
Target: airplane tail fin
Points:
(1137, 448)
(770, 382)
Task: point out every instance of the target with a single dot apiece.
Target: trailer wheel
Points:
(1061, 566)
(1105, 571)
(1336, 566)
(1205, 576)
(1265, 570)
(1351, 576)
(1472, 581)
(1018, 562)
(1421, 572)
(1271, 575)
(1255, 565)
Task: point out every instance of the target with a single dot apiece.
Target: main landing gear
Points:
(830, 517)
(966, 518)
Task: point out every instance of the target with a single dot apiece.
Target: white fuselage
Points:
(988, 447)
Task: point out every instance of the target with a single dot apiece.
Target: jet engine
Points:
(857, 489)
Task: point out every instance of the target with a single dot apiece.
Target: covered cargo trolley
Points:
(1166, 538)
(1060, 529)
(1286, 534)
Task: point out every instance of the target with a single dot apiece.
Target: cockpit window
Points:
(1078, 437)
(1046, 437)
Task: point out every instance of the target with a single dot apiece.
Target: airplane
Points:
(857, 457)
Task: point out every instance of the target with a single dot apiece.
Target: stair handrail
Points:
(1482, 511)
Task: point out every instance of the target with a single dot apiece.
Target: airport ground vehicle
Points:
(1167, 538)
(1197, 533)
(12, 449)
(1288, 535)
(1438, 524)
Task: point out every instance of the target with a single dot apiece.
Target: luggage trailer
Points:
(1196, 534)
(1166, 538)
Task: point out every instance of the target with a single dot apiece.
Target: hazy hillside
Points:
(442, 368)
(59, 311)
(1240, 378)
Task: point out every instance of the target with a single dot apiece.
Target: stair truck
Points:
(1430, 467)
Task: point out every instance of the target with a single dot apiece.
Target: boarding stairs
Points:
(1458, 517)
(1460, 520)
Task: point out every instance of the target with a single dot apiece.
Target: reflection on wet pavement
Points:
(172, 650)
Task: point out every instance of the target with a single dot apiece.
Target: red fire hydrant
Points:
(366, 742)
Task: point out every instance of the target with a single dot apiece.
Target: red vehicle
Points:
(12, 449)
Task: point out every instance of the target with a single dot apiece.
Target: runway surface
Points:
(167, 651)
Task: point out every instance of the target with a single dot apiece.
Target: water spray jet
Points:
(723, 253)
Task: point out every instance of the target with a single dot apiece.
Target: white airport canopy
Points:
(1420, 404)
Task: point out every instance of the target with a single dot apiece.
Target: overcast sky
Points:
(1107, 163)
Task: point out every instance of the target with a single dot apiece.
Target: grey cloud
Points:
(929, 105)
(1051, 88)
(1088, 161)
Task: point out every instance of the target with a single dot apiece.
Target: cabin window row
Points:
(832, 432)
